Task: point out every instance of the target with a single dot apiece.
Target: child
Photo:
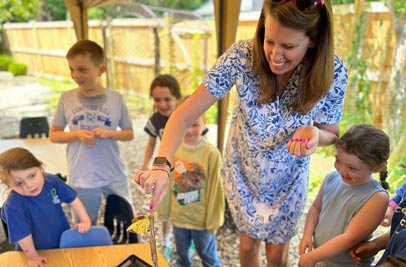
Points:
(33, 210)
(195, 202)
(393, 241)
(97, 118)
(164, 91)
(393, 203)
(350, 203)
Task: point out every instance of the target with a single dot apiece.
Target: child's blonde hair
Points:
(16, 159)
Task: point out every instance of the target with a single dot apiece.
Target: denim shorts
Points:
(92, 197)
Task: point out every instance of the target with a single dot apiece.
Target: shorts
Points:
(91, 197)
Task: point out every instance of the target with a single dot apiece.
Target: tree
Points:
(54, 10)
(19, 10)
(394, 110)
(175, 4)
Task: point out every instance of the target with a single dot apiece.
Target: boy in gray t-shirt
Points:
(97, 118)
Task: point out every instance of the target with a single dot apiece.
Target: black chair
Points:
(5, 228)
(118, 217)
(34, 126)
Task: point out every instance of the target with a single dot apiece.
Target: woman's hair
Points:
(369, 144)
(87, 47)
(317, 73)
(16, 159)
(166, 80)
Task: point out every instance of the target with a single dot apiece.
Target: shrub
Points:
(18, 69)
(5, 61)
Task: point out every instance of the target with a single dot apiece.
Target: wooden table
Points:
(101, 256)
(52, 155)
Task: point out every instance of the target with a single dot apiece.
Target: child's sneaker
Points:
(166, 252)
(192, 249)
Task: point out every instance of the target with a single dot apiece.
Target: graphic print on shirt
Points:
(55, 197)
(90, 117)
(399, 217)
(188, 178)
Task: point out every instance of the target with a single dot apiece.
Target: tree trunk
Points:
(395, 104)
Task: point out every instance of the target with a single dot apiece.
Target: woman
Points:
(290, 93)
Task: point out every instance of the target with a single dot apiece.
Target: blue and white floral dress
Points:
(265, 185)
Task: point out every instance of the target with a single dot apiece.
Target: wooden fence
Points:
(138, 49)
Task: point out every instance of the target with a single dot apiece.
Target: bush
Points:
(5, 61)
(18, 69)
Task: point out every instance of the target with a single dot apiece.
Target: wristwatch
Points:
(159, 161)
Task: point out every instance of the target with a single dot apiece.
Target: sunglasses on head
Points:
(306, 6)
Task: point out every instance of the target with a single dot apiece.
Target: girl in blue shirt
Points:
(33, 208)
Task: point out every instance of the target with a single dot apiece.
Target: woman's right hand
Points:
(153, 182)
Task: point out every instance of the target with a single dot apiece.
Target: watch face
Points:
(160, 160)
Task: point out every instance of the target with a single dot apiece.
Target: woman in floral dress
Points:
(290, 90)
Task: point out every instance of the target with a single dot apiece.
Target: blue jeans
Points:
(92, 197)
(205, 245)
(396, 246)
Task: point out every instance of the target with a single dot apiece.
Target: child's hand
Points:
(86, 137)
(102, 133)
(388, 216)
(37, 261)
(362, 251)
(306, 261)
(83, 226)
(306, 245)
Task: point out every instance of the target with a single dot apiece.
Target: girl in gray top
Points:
(350, 203)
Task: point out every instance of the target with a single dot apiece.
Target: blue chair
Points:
(96, 236)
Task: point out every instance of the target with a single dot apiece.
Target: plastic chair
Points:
(96, 236)
(5, 227)
(34, 126)
(118, 216)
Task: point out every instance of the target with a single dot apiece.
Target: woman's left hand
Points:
(304, 141)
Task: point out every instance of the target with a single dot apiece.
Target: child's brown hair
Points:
(166, 80)
(369, 144)
(87, 47)
(16, 159)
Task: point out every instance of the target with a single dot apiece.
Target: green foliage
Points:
(399, 6)
(5, 61)
(97, 12)
(19, 10)
(18, 69)
(55, 10)
(176, 4)
(339, 2)
(397, 176)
